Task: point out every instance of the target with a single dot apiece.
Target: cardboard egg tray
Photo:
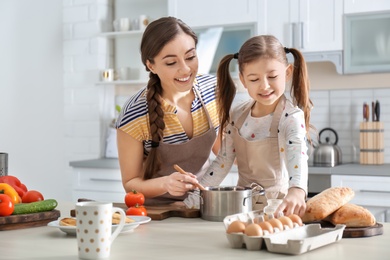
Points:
(294, 241)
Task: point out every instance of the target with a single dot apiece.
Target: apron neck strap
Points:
(275, 118)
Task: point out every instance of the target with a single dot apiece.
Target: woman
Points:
(173, 120)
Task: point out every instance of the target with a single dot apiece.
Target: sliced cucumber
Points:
(34, 207)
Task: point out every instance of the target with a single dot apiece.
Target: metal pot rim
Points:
(227, 188)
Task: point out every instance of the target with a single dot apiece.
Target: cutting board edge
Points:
(30, 224)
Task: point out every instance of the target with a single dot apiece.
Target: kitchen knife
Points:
(373, 111)
(377, 111)
(366, 112)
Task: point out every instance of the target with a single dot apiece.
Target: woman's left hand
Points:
(294, 202)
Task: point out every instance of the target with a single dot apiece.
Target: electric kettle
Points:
(327, 154)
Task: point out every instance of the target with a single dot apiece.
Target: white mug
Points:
(124, 73)
(122, 24)
(94, 228)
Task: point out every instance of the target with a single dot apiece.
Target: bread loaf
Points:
(352, 216)
(327, 202)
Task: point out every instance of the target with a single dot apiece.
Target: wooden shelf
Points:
(124, 34)
(123, 82)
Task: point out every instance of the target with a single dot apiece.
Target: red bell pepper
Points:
(15, 183)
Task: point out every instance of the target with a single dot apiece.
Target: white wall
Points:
(31, 94)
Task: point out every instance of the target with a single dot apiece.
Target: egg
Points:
(266, 226)
(276, 223)
(296, 219)
(253, 230)
(236, 227)
(286, 221)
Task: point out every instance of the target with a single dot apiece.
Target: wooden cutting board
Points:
(160, 212)
(28, 220)
(375, 230)
(350, 232)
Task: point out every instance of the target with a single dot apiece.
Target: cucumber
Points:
(34, 207)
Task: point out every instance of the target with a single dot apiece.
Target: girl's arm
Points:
(222, 164)
(217, 171)
(295, 147)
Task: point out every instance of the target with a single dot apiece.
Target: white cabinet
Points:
(206, 13)
(309, 25)
(371, 192)
(97, 184)
(361, 6)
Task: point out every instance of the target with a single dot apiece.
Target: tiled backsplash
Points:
(342, 110)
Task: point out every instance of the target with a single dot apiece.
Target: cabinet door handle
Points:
(96, 179)
(302, 45)
(375, 191)
(292, 35)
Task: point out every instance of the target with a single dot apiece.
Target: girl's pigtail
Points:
(226, 90)
(300, 87)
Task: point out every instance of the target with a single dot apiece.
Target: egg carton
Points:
(292, 241)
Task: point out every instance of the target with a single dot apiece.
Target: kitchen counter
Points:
(174, 238)
(353, 169)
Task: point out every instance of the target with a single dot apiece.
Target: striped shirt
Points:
(134, 117)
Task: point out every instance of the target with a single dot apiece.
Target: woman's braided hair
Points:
(157, 34)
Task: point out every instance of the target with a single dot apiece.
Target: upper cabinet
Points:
(206, 13)
(309, 25)
(362, 6)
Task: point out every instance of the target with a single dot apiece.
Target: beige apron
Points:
(259, 161)
(192, 156)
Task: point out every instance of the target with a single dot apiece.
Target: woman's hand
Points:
(293, 203)
(178, 184)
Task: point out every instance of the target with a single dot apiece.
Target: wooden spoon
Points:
(177, 168)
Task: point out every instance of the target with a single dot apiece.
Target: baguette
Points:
(325, 203)
(352, 216)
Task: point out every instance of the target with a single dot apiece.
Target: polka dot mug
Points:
(94, 228)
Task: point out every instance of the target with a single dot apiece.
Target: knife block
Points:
(371, 143)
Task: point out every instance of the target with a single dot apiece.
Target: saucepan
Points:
(217, 202)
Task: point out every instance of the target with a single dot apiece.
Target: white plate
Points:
(71, 230)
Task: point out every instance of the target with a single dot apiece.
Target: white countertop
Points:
(174, 238)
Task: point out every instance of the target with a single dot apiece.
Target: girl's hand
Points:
(178, 184)
(293, 203)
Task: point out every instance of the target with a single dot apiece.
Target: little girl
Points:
(267, 134)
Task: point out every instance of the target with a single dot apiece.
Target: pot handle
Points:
(257, 189)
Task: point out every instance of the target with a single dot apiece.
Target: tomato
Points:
(6, 205)
(133, 198)
(136, 211)
(32, 196)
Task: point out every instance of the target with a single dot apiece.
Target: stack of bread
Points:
(333, 205)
